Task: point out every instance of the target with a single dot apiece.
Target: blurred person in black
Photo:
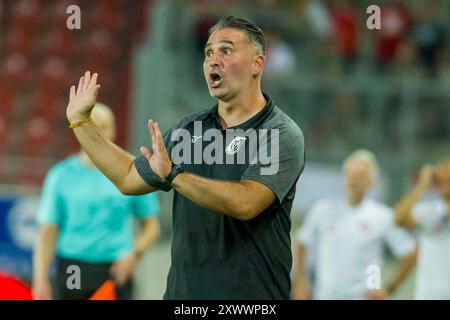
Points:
(429, 37)
(231, 222)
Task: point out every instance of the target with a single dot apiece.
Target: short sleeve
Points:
(398, 240)
(279, 161)
(310, 226)
(51, 205)
(146, 205)
(430, 214)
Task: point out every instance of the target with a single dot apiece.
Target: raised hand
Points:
(159, 160)
(426, 177)
(82, 98)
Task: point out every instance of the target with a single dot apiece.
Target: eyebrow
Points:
(209, 44)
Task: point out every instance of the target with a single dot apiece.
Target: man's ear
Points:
(258, 64)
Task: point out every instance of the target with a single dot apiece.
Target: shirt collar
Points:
(253, 122)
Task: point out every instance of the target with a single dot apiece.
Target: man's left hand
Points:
(159, 160)
(123, 269)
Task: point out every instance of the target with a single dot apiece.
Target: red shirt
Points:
(345, 31)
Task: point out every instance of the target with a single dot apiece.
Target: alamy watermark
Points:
(74, 280)
(73, 22)
(261, 147)
(373, 22)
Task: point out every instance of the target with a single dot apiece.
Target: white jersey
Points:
(433, 268)
(349, 243)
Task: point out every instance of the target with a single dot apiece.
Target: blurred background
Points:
(346, 86)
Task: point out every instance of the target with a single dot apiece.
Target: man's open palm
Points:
(159, 159)
(83, 98)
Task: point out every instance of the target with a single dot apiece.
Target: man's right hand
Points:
(42, 290)
(83, 98)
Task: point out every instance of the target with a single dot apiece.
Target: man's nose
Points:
(214, 61)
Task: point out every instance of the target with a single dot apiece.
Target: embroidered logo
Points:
(235, 145)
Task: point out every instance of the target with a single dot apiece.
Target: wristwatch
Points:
(176, 170)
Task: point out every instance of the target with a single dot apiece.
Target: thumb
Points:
(146, 153)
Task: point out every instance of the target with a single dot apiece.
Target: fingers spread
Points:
(87, 79)
(146, 153)
(72, 92)
(150, 126)
(93, 81)
(80, 85)
(157, 131)
(152, 134)
(96, 89)
(159, 138)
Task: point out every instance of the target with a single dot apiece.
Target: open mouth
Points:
(215, 80)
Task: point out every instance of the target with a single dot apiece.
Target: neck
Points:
(354, 199)
(85, 159)
(241, 108)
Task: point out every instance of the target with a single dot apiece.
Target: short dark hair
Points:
(253, 32)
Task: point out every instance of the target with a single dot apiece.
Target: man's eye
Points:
(227, 51)
(208, 54)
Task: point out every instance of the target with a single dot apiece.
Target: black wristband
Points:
(176, 170)
(161, 184)
(151, 178)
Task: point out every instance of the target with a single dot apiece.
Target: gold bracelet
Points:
(79, 123)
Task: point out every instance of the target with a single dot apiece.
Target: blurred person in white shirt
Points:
(281, 60)
(428, 213)
(349, 236)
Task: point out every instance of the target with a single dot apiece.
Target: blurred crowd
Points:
(39, 58)
(409, 35)
(412, 34)
(320, 54)
(348, 85)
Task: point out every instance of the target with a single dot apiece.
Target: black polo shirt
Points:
(215, 256)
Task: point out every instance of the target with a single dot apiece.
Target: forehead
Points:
(358, 166)
(237, 37)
